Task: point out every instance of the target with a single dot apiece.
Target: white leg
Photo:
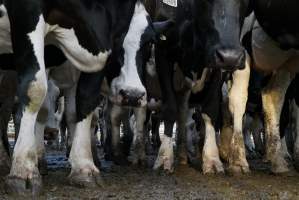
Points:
(273, 98)
(210, 155)
(238, 95)
(165, 155)
(84, 172)
(40, 146)
(24, 176)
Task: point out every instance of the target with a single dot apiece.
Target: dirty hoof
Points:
(279, 168)
(43, 166)
(238, 169)
(165, 156)
(82, 179)
(213, 167)
(164, 163)
(24, 187)
(183, 158)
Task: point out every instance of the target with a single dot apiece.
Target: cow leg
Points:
(5, 114)
(182, 132)
(24, 177)
(273, 99)
(116, 112)
(39, 138)
(164, 69)
(238, 95)
(257, 135)
(70, 115)
(155, 132)
(138, 147)
(84, 172)
(285, 150)
(226, 131)
(4, 145)
(210, 155)
(296, 143)
(165, 156)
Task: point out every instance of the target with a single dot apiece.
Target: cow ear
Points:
(162, 27)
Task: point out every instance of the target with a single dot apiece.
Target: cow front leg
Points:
(273, 99)
(296, 144)
(84, 172)
(210, 154)
(24, 177)
(226, 131)
(238, 95)
(182, 128)
(115, 116)
(40, 146)
(138, 146)
(257, 127)
(165, 156)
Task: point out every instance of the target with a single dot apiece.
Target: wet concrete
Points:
(186, 183)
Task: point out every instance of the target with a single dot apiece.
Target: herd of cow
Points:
(209, 63)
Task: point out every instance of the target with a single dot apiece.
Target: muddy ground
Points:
(186, 183)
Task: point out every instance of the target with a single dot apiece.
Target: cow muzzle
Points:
(230, 59)
(133, 98)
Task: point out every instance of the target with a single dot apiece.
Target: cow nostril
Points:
(123, 93)
(229, 57)
(219, 55)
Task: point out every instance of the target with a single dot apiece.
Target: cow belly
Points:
(268, 56)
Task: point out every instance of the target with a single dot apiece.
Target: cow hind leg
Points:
(273, 99)
(24, 177)
(84, 172)
(238, 95)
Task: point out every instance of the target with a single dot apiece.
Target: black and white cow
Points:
(206, 34)
(87, 33)
(274, 47)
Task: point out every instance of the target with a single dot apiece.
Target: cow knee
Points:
(36, 92)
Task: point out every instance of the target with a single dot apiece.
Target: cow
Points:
(87, 33)
(206, 35)
(274, 47)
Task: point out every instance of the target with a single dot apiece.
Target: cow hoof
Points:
(213, 167)
(183, 159)
(280, 168)
(238, 169)
(24, 187)
(91, 179)
(165, 157)
(43, 166)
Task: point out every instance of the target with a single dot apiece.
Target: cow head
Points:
(127, 79)
(217, 28)
(127, 63)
